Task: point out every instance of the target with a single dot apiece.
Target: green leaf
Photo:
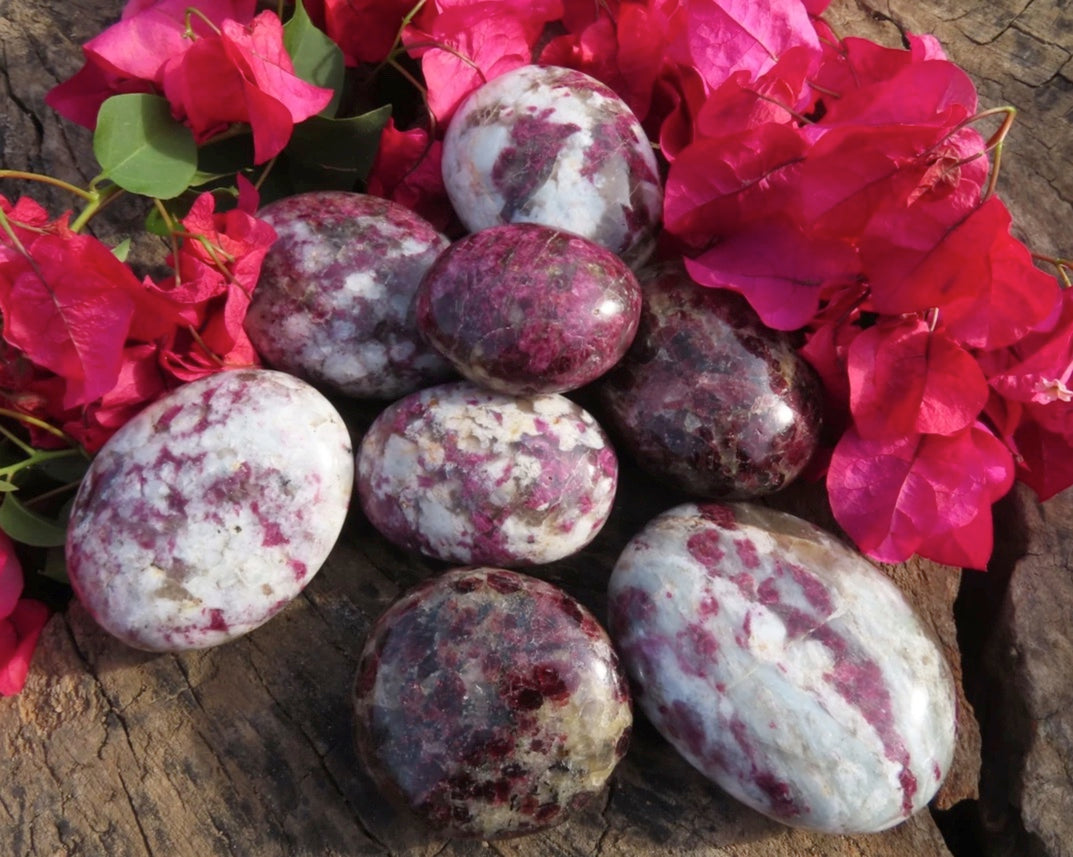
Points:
(65, 469)
(317, 59)
(28, 527)
(7, 485)
(142, 148)
(223, 158)
(55, 566)
(335, 154)
(122, 250)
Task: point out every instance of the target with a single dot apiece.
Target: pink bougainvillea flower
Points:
(19, 633)
(10, 576)
(69, 304)
(676, 98)
(21, 622)
(1039, 367)
(625, 52)
(86, 344)
(1044, 462)
(364, 30)
(243, 74)
(906, 378)
(943, 95)
(979, 276)
(714, 186)
(726, 36)
(856, 175)
(129, 56)
(218, 264)
(742, 101)
(924, 494)
(1032, 401)
(778, 267)
(408, 171)
(483, 40)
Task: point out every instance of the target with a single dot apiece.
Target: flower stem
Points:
(98, 200)
(87, 195)
(19, 416)
(1063, 266)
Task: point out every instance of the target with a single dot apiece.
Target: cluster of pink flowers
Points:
(217, 63)
(87, 344)
(842, 187)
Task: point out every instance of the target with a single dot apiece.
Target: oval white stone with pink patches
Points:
(467, 475)
(334, 303)
(210, 510)
(549, 145)
(784, 666)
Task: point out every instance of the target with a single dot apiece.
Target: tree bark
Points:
(247, 749)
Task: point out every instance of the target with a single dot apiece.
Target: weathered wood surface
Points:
(246, 749)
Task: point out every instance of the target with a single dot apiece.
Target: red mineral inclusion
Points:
(468, 697)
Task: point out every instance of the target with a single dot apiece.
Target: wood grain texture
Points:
(246, 749)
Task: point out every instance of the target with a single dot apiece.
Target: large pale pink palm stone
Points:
(210, 511)
(784, 666)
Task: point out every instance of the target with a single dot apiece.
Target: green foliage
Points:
(317, 59)
(26, 526)
(335, 154)
(142, 148)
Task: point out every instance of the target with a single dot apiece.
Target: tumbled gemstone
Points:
(210, 510)
(470, 476)
(784, 666)
(708, 399)
(524, 308)
(490, 703)
(542, 144)
(334, 303)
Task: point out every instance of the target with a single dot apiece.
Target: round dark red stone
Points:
(525, 308)
(708, 399)
(491, 703)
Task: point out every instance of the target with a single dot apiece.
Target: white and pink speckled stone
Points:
(543, 144)
(334, 303)
(209, 511)
(783, 666)
(470, 476)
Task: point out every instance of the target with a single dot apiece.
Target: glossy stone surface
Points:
(708, 399)
(334, 302)
(554, 146)
(210, 510)
(467, 475)
(524, 308)
(783, 666)
(491, 703)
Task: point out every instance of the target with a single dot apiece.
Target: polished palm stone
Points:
(523, 308)
(490, 703)
(549, 145)
(467, 475)
(210, 510)
(707, 398)
(784, 666)
(334, 303)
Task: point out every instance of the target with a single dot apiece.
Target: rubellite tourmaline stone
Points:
(467, 475)
(550, 145)
(491, 703)
(783, 666)
(523, 308)
(210, 510)
(708, 399)
(334, 301)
